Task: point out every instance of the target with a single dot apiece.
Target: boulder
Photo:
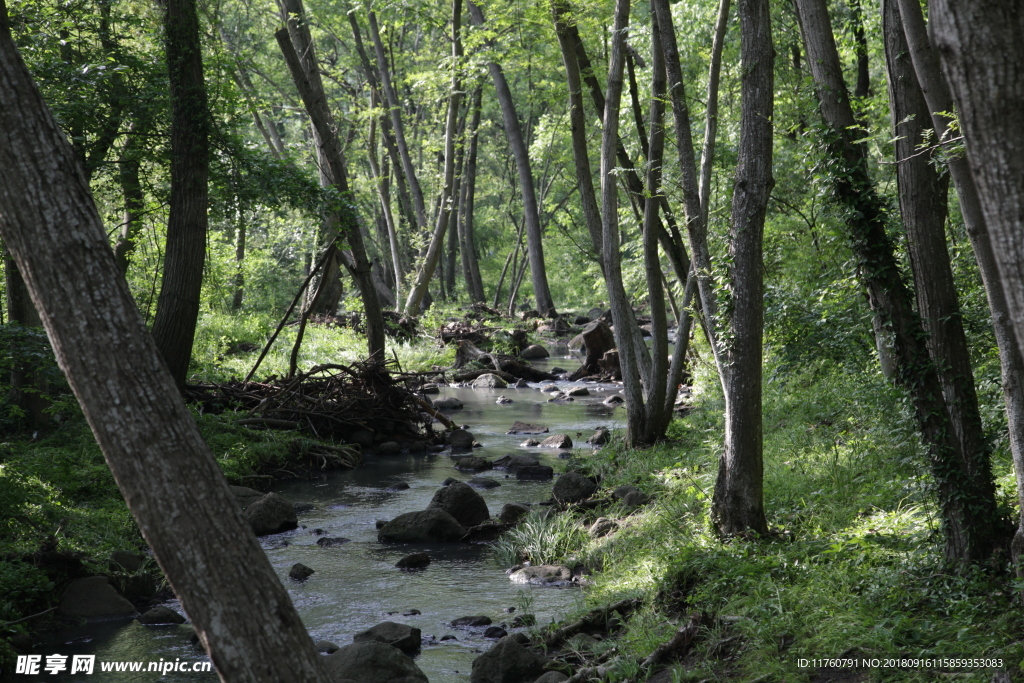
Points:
(399, 486)
(521, 620)
(495, 632)
(483, 483)
(448, 403)
(530, 443)
(534, 352)
(94, 598)
(552, 677)
(448, 481)
(372, 662)
(460, 440)
(244, 496)
(300, 572)
(580, 320)
(489, 381)
(472, 463)
(595, 313)
(414, 561)
(503, 401)
(325, 647)
(430, 388)
(507, 662)
(543, 575)
(485, 532)
(621, 492)
(557, 441)
(635, 499)
(577, 391)
(466, 622)
(512, 513)
(433, 525)
(405, 638)
(515, 461)
(614, 400)
(535, 473)
(389, 448)
(599, 437)
(595, 340)
(521, 384)
(523, 428)
(609, 364)
(572, 488)
(461, 502)
(161, 614)
(122, 560)
(530, 314)
(271, 514)
(602, 527)
(548, 389)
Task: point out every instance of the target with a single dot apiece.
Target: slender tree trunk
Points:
(970, 520)
(940, 101)
(177, 309)
(28, 388)
(922, 195)
(860, 41)
(129, 175)
(521, 154)
(470, 265)
(426, 272)
(293, 41)
(382, 181)
(169, 479)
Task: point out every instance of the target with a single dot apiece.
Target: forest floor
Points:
(853, 568)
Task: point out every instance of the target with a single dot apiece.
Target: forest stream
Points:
(356, 585)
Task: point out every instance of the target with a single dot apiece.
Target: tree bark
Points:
(293, 41)
(129, 175)
(168, 476)
(178, 306)
(970, 520)
(470, 264)
(940, 101)
(521, 154)
(922, 196)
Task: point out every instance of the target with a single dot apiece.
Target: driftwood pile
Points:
(343, 403)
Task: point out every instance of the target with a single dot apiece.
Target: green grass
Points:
(856, 565)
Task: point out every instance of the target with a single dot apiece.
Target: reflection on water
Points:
(355, 585)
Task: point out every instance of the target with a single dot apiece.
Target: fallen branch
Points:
(593, 618)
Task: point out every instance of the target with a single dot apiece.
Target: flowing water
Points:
(355, 585)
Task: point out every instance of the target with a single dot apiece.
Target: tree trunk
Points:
(470, 265)
(426, 272)
(134, 199)
(28, 389)
(177, 308)
(293, 41)
(521, 154)
(922, 195)
(970, 521)
(382, 181)
(940, 101)
(168, 476)
(739, 498)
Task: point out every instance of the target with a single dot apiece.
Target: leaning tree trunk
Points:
(521, 154)
(177, 308)
(426, 272)
(922, 196)
(296, 40)
(970, 519)
(940, 101)
(129, 176)
(168, 476)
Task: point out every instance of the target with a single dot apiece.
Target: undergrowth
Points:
(854, 565)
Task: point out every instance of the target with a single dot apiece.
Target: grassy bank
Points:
(854, 567)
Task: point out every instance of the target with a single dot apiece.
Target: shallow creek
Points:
(355, 585)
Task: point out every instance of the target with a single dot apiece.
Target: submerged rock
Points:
(557, 441)
(448, 403)
(483, 483)
(460, 440)
(489, 381)
(504, 400)
(614, 400)
(433, 525)
(530, 443)
(485, 532)
(465, 622)
(325, 647)
(534, 352)
(523, 428)
(535, 473)
(326, 542)
(300, 572)
(515, 461)
(373, 662)
(161, 614)
(414, 561)
(472, 463)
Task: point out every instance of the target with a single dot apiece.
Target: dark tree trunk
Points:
(293, 41)
(970, 521)
(521, 154)
(236, 299)
(28, 388)
(168, 476)
(134, 200)
(860, 41)
(940, 101)
(470, 265)
(739, 498)
(922, 194)
(177, 308)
